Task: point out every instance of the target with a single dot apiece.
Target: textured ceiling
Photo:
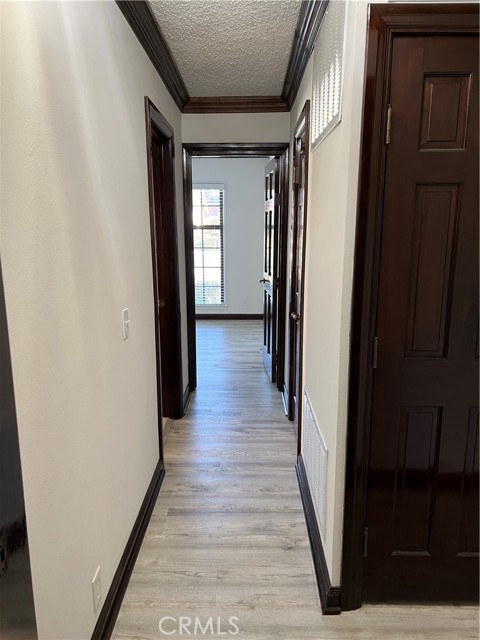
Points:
(229, 47)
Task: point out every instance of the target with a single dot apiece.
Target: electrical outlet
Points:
(97, 589)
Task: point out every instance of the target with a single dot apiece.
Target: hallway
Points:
(228, 538)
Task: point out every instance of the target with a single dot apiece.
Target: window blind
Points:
(208, 242)
(328, 71)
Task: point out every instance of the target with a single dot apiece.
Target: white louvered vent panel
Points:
(315, 456)
(328, 71)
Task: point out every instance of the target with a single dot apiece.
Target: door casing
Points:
(234, 150)
(386, 21)
(295, 327)
(163, 215)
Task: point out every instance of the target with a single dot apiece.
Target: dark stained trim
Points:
(159, 121)
(302, 127)
(165, 271)
(189, 263)
(308, 25)
(149, 134)
(186, 398)
(229, 316)
(144, 26)
(108, 615)
(386, 20)
(235, 149)
(221, 150)
(236, 104)
(17, 592)
(329, 596)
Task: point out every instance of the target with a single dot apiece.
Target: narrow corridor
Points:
(226, 553)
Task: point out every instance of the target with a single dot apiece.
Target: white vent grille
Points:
(315, 459)
(328, 72)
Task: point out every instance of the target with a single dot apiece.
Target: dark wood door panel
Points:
(434, 228)
(416, 467)
(469, 529)
(445, 111)
(423, 470)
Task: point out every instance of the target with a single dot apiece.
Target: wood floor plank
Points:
(228, 536)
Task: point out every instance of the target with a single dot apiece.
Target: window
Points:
(328, 72)
(208, 244)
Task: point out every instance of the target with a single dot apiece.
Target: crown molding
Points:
(308, 25)
(140, 18)
(144, 26)
(236, 104)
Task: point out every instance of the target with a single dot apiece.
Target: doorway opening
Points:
(207, 275)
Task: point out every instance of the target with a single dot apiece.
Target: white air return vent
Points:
(328, 71)
(315, 458)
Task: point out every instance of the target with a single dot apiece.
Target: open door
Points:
(269, 279)
(301, 142)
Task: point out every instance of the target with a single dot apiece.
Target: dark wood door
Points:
(422, 508)
(297, 277)
(269, 279)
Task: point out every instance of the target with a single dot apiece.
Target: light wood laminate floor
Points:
(228, 536)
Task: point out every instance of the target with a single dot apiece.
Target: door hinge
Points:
(389, 124)
(375, 352)
(365, 542)
(296, 175)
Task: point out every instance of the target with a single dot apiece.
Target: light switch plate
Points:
(126, 324)
(97, 589)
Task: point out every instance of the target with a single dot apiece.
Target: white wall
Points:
(236, 127)
(75, 247)
(332, 202)
(243, 222)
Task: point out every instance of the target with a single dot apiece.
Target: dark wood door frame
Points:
(386, 21)
(234, 150)
(302, 128)
(163, 231)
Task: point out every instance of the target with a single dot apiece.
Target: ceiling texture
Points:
(229, 47)
(228, 56)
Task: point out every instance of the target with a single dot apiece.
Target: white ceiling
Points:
(229, 47)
